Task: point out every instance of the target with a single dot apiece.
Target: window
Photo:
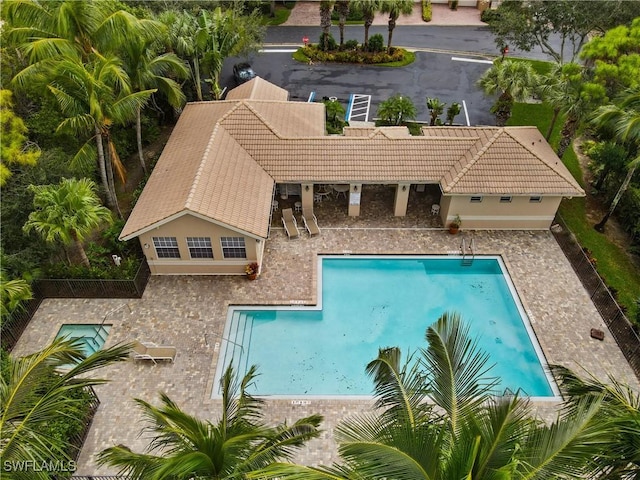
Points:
(535, 199)
(505, 199)
(200, 247)
(477, 199)
(166, 247)
(233, 247)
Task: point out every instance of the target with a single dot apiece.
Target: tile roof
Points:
(223, 159)
(258, 89)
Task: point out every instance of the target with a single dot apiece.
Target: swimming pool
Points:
(369, 302)
(93, 336)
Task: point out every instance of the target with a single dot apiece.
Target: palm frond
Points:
(458, 370)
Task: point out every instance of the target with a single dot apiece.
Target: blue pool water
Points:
(373, 302)
(93, 336)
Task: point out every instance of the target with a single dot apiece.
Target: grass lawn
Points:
(282, 15)
(613, 263)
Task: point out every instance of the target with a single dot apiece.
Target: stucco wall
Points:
(490, 213)
(190, 226)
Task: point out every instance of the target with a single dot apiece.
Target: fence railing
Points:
(613, 316)
(15, 324)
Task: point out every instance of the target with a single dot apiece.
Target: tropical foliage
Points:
(397, 109)
(14, 146)
(437, 418)
(67, 212)
(395, 8)
(40, 390)
(184, 447)
(513, 81)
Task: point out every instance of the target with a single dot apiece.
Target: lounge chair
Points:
(153, 352)
(310, 222)
(290, 224)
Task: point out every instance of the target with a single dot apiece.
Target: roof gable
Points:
(258, 89)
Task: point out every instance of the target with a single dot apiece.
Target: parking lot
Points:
(431, 75)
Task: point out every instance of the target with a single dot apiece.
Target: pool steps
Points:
(240, 331)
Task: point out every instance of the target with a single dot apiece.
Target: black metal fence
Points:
(613, 316)
(15, 324)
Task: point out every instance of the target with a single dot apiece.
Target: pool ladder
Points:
(468, 252)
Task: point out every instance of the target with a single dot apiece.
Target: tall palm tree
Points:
(189, 448)
(396, 109)
(624, 120)
(368, 9)
(437, 418)
(395, 8)
(93, 96)
(325, 21)
(453, 110)
(436, 108)
(342, 7)
(68, 212)
(514, 81)
(148, 70)
(34, 392)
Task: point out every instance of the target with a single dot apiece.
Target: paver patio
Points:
(189, 312)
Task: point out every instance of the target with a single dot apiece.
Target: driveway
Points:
(431, 75)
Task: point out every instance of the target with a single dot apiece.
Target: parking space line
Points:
(466, 113)
(278, 50)
(358, 107)
(471, 60)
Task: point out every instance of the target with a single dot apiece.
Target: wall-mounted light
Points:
(404, 188)
(146, 245)
(355, 188)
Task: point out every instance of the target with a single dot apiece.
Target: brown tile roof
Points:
(258, 89)
(223, 158)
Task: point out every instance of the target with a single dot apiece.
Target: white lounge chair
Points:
(310, 222)
(290, 224)
(153, 352)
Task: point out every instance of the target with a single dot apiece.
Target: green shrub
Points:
(354, 15)
(489, 15)
(351, 45)
(331, 42)
(426, 10)
(376, 43)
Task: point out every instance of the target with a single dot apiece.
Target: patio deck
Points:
(189, 312)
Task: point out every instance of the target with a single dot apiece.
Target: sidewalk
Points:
(308, 13)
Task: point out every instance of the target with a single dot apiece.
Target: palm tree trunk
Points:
(368, 21)
(599, 227)
(139, 139)
(196, 79)
(80, 248)
(102, 164)
(392, 25)
(556, 112)
(568, 132)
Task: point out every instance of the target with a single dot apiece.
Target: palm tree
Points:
(147, 70)
(624, 119)
(395, 8)
(325, 21)
(453, 110)
(68, 212)
(35, 392)
(514, 81)
(342, 7)
(182, 40)
(223, 34)
(191, 448)
(396, 109)
(12, 293)
(369, 9)
(94, 96)
(622, 405)
(437, 418)
(436, 108)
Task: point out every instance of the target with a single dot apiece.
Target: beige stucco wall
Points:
(190, 226)
(519, 214)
